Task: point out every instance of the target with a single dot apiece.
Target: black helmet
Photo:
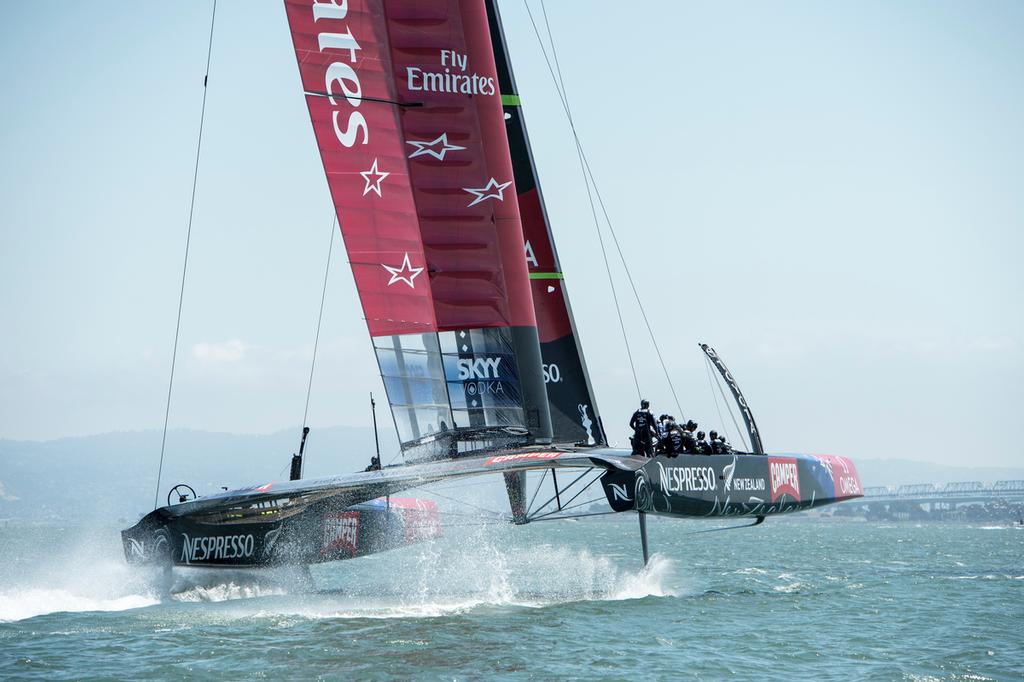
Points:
(713, 435)
(691, 425)
(644, 404)
(700, 435)
(663, 417)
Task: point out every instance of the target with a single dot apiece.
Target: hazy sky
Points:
(829, 194)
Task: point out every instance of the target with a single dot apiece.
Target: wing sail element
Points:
(748, 417)
(574, 414)
(406, 109)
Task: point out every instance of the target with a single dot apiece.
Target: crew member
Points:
(662, 427)
(703, 447)
(689, 442)
(716, 447)
(674, 445)
(643, 427)
(374, 464)
(723, 446)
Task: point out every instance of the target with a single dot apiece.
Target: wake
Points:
(485, 570)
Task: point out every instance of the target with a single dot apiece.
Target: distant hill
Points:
(113, 476)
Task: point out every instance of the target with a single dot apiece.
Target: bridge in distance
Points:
(960, 492)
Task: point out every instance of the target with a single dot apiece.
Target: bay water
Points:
(794, 598)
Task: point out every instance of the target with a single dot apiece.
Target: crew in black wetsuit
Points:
(662, 427)
(643, 427)
(689, 442)
(703, 447)
(374, 464)
(716, 447)
(674, 441)
(723, 446)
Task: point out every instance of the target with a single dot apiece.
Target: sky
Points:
(829, 194)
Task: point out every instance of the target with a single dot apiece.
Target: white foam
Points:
(31, 602)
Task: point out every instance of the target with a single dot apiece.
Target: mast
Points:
(574, 412)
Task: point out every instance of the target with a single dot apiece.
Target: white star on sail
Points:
(373, 185)
(406, 273)
(487, 192)
(429, 147)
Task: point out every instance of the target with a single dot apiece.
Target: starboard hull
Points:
(733, 485)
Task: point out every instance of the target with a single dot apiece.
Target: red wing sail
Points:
(404, 101)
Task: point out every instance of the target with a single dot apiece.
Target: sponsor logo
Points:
(479, 368)
(453, 79)
(847, 482)
(687, 479)
(341, 531)
(727, 474)
(849, 486)
(785, 477)
(403, 273)
(586, 422)
(748, 484)
(437, 147)
(531, 257)
(552, 374)
(265, 488)
(844, 478)
(340, 78)
(620, 492)
(217, 547)
(492, 190)
(500, 459)
(136, 549)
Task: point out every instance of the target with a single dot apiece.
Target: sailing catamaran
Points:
(423, 142)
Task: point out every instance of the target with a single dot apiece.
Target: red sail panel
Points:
(405, 106)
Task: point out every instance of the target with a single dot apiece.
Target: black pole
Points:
(296, 469)
(643, 537)
(376, 438)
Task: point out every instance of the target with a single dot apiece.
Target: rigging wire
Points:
(319, 322)
(590, 198)
(184, 267)
(588, 176)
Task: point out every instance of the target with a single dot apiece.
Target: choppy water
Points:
(808, 599)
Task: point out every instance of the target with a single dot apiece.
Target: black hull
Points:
(316, 533)
(733, 485)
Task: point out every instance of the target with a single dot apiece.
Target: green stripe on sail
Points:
(546, 275)
(510, 100)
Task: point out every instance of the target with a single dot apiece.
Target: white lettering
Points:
(339, 41)
(342, 73)
(356, 123)
(479, 368)
(531, 257)
(552, 374)
(216, 548)
(329, 10)
(688, 479)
